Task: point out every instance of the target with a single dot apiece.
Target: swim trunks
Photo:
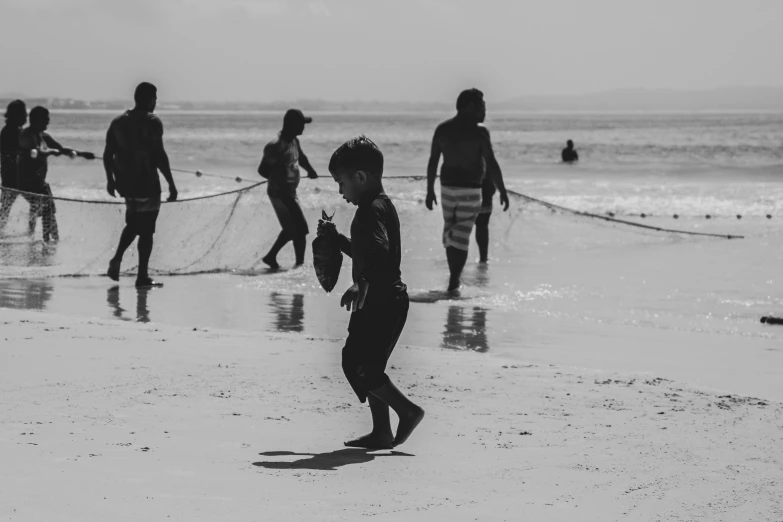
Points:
(289, 213)
(461, 207)
(373, 332)
(141, 214)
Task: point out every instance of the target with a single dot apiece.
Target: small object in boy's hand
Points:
(34, 153)
(327, 258)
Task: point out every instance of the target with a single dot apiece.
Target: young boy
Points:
(378, 297)
(280, 165)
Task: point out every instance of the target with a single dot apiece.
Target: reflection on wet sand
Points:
(24, 294)
(142, 310)
(288, 312)
(20, 251)
(466, 333)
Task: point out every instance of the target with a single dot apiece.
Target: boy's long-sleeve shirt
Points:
(375, 245)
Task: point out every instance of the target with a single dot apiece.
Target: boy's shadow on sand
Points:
(325, 461)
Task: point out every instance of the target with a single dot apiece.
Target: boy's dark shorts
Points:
(372, 334)
(141, 215)
(290, 214)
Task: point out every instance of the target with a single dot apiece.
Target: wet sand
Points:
(747, 363)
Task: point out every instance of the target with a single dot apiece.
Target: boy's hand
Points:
(87, 155)
(312, 174)
(172, 193)
(353, 298)
(504, 200)
(110, 188)
(430, 200)
(325, 228)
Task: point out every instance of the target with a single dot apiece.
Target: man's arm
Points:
(305, 163)
(162, 162)
(493, 168)
(53, 144)
(108, 162)
(432, 169)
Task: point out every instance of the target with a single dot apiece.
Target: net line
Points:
(546, 204)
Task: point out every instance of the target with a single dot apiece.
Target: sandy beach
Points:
(106, 420)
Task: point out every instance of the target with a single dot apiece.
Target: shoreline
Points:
(125, 421)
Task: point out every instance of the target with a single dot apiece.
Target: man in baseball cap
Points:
(280, 165)
(295, 117)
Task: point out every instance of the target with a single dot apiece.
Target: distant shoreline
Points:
(436, 112)
(731, 100)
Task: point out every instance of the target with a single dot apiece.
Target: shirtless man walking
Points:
(133, 156)
(468, 157)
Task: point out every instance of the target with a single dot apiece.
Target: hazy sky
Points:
(265, 50)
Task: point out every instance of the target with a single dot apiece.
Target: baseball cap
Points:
(295, 116)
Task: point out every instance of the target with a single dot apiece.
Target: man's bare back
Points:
(464, 147)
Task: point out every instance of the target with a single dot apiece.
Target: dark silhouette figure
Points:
(280, 165)
(378, 299)
(15, 118)
(325, 461)
(133, 156)
(460, 335)
(289, 316)
(569, 154)
(466, 147)
(35, 147)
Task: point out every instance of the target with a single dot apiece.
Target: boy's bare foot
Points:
(373, 441)
(271, 262)
(407, 424)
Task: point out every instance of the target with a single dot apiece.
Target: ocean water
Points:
(560, 288)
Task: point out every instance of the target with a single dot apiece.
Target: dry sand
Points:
(117, 421)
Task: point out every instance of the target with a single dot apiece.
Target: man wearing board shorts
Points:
(134, 153)
(468, 158)
(280, 165)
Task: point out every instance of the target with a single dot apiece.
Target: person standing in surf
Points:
(35, 147)
(280, 166)
(569, 154)
(466, 147)
(15, 118)
(378, 299)
(133, 156)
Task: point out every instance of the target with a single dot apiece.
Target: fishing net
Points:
(221, 232)
(230, 231)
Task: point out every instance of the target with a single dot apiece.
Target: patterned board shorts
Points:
(461, 206)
